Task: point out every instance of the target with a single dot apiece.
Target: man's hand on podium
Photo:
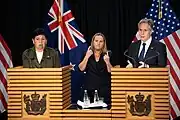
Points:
(130, 65)
(143, 65)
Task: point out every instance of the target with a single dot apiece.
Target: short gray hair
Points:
(148, 21)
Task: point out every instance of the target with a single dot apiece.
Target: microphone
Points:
(157, 54)
(134, 61)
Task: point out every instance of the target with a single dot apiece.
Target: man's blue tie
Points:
(141, 56)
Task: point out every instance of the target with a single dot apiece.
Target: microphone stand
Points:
(151, 57)
(134, 61)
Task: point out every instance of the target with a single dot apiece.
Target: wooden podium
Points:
(38, 94)
(136, 94)
(142, 92)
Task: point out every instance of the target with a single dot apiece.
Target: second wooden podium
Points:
(140, 94)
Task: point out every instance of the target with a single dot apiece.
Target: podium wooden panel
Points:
(147, 81)
(55, 82)
(124, 82)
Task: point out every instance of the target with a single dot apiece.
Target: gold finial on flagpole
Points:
(160, 9)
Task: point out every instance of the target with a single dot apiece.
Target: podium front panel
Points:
(38, 93)
(140, 94)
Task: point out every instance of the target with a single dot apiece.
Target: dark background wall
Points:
(117, 19)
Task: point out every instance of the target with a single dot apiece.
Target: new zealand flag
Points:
(63, 34)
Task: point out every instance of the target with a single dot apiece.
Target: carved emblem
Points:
(139, 107)
(34, 106)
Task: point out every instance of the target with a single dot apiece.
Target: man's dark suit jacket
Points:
(156, 55)
(50, 59)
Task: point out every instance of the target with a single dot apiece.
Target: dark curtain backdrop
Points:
(116, 19)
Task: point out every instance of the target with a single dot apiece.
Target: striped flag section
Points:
(5, 62)
(173, 53)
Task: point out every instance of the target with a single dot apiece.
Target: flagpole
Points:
(160, 9)
(60, 41)
(60, 10)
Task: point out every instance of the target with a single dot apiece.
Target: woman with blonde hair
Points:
(96, 64)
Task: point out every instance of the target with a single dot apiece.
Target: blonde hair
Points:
(104, 49)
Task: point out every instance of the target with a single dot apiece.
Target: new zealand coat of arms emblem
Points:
(140, 107)
(34, 106)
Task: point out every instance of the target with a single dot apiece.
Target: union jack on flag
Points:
(63, 22)
(167, 30)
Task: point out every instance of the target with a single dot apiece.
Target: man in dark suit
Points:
(147, 52)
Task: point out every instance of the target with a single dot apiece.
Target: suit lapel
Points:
(150, 52)
(46, 54)
(136, 50)
(33, 58)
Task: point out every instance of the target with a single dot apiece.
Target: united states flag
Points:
(167, 30)
(63, 34)
(5, 62)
